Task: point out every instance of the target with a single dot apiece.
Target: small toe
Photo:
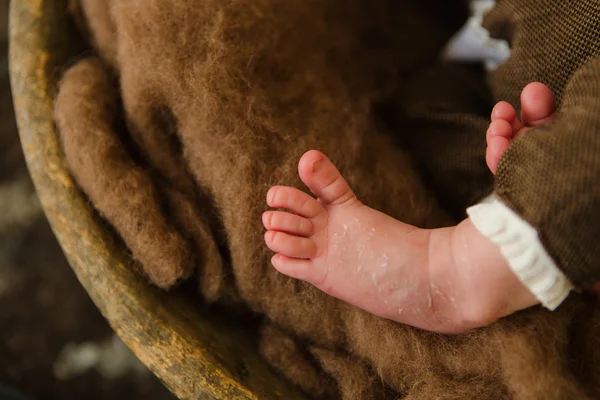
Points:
(323, 179)
(293, 267)
(499, 128)
(538, 105)
(505, 111)
(294, 200)
(285, 222)
(290, 245)
(497, 145)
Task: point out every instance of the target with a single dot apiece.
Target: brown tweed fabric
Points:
(550, 40)
(551, 176)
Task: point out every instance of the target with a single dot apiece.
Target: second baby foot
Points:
(538, 107)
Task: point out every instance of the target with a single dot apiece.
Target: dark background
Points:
(54, 344)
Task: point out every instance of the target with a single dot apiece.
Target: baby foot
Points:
(538, 107)
(382, 265)
(347, 249)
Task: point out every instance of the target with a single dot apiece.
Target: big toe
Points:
(323, 179)
(538, 105)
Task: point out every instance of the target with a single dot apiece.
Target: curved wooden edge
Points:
(194, 353)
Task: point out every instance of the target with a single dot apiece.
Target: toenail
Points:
(271, 195)
(316, 165)
(266, 218)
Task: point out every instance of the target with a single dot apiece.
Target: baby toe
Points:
(497, 145)
(293, 267)
(324, 179)
(503, 110)
(290, 245)
(538, 105)
(294, 200)
(499, 128)
(506, 112)
(286, 222)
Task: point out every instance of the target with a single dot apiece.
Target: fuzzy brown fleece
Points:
(221, 99)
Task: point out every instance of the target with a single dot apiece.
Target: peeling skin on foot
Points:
(437, 292)
(364, 257)
(381, 263)
(354, 238)
(429, 300)
(384, 263)
(352, 244)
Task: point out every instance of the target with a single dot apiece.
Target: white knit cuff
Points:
(473, 42)
(522, 249)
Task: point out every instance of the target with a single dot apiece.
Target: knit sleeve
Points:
(550, 177)
(520, 245)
